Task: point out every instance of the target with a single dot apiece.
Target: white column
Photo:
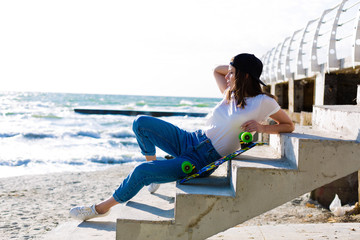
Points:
(320, 86)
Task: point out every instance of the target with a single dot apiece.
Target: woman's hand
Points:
(253, 126)
(284, 124)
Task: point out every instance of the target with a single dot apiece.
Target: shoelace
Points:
(85, 211)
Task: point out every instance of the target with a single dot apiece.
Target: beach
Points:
(33, 205)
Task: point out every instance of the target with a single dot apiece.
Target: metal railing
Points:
(330, 42)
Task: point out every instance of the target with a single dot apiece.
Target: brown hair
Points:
(245, 86)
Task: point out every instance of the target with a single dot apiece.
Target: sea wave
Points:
(113, 160)
(38, 135)
(75, 163)
(49, 116)
(141, 103)
(129, 143)
(91, 134)
(122, 134)
(15, 163)
(203, 105)
(9, 114)
(123, 143)
(186, 103)
(8, 135)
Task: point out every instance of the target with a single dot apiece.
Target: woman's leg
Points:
(151, 132)
(150, 158)
(144, 174)
(104, 206)
(160, 171)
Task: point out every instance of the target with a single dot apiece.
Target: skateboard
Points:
(246, 144)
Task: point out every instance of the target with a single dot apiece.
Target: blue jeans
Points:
(184, 146)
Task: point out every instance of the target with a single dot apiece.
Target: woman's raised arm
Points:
(219, 74)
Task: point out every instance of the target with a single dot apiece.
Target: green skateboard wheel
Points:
(186, 167)
(246, 137)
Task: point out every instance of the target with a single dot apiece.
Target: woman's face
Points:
(230, 77)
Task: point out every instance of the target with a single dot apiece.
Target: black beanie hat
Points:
(248, 63)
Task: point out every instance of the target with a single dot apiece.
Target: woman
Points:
(243, 107)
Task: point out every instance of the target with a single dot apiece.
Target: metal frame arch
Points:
(270, 67)
(280, 73)
(301, 70)
(274, 61)
(333, 61)
(314, 57)
(288, 72)
(265, 73)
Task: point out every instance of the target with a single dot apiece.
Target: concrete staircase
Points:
(259, 180)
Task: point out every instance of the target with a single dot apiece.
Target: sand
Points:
(31, 206)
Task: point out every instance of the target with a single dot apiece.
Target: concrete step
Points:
(341, 119)
(278, 164)
(289, 145)
(157, 208)
(209, 186)
(103, 229)
(311, 132)
(260, 157)
(264, 152)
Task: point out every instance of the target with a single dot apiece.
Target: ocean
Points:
(40, 132)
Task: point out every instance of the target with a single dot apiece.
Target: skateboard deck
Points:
(211, 166)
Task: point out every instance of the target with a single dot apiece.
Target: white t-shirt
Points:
(223, 124)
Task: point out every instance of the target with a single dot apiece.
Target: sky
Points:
(142, 47)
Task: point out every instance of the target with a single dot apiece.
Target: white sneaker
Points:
(85, 213)
(153, 187)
